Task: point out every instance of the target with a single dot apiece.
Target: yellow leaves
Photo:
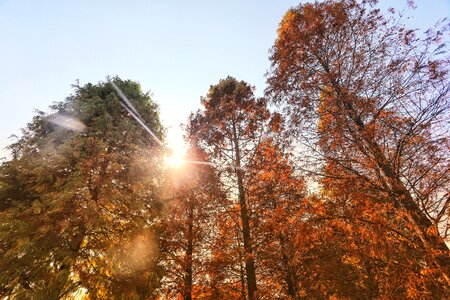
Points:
(36, 207)
(84, 243)
(22, 242)
(350, 260)
(101, 293)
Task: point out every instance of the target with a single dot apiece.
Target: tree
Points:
(374, 240)
(229, 130)
(79, 200)
(189, 227)
(385, 96)
(276, 195)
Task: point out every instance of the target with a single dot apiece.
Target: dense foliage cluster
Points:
(335, 185)
(79, 200)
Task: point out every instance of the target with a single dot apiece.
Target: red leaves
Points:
(276, 122)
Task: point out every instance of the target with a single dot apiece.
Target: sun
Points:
(175, 156)
(175, 159)
(176, 150)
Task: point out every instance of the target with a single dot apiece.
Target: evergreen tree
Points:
(79, 200)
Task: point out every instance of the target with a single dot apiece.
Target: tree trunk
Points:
(248, 247)
(242, 278)
(425, 229)
(289, 273)
(241, 266)
(187, 293)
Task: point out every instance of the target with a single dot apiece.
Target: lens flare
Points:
(134, 113)
(67, 122)
(175, 156)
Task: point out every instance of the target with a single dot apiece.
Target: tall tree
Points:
(189, 227)
(385, 93)
(80, 216)
(230, 128)
(276, 195)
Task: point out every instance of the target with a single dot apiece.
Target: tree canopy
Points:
(334, 185)
(79, 199)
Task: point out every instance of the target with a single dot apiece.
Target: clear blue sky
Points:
(175, 49)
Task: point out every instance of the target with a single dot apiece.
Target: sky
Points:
(175, 49)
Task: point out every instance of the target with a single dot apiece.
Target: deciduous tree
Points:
(229, 129)
(384, 93)
(190, 227)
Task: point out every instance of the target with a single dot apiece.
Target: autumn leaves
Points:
(339, 190)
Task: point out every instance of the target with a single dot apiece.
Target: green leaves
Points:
(73, 192)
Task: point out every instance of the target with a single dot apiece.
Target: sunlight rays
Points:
(175, 155)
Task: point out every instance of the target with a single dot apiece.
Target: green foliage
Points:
(79, 196)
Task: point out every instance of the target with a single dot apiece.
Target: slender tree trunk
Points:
(248, 246)
(289, 272)
(241, 266)
(187, 294)
(242, 278)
